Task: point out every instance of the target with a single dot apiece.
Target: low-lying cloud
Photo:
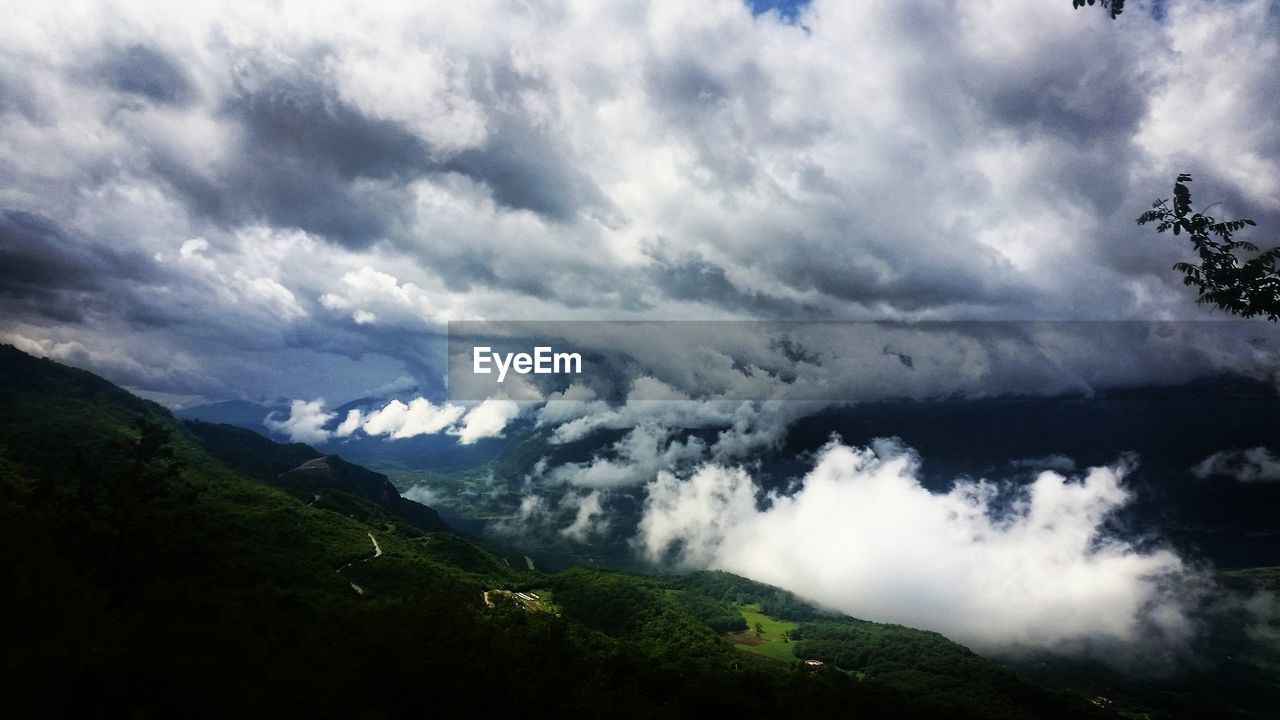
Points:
(418, 417)
(1252, 465)
(996, 567)
(487, 420)
(590, 518)
(309, 422)
(305, 422)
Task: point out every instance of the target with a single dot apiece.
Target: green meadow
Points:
(764, 635)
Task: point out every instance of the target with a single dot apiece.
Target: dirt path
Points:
(377, 553)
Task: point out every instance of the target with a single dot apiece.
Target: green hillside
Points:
(159, 569)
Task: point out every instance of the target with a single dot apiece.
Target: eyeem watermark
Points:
(831, 361)
(543, 361)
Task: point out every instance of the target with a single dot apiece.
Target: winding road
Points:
(377, 553)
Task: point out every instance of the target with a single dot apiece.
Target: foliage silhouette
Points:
(1247, 288)
(1116, 6)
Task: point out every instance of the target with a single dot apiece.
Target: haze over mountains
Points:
(1170, 432)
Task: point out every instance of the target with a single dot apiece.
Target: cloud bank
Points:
(997, 568)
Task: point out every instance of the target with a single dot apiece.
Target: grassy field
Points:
(770, 642)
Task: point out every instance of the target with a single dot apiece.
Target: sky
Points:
(220, 201)
(288, 202)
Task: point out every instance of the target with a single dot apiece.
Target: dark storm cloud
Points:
(45, 271)
(16, 94)
(148, 72)
(415, 352)
(303, 151)
(688, 86)
(525, 170)
(906, 273)
(464, 271)
(307, 122)
(690, 277)
(1082, 90)
(524, 165)
(1077, 108)
(698, 104)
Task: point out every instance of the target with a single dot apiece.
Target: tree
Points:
(1116, 6)
(1247, 288)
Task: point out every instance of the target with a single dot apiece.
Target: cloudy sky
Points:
(289, 200)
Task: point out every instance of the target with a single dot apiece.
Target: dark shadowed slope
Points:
(322, 480)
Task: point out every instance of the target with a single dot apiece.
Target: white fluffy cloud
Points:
(349, 424)
(369, 294)
(634, 460)
(305, 422)
(419, 417)
(590, 518)
(487, 420)
(398, 420)
(861, 535)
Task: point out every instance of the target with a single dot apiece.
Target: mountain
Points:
(240, 413)
(330, 472)
(320, 480)
(247, 452)
(153, 571)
